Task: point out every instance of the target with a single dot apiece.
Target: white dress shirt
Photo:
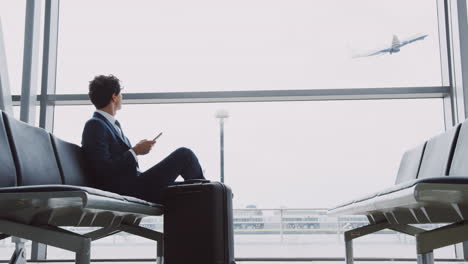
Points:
(111, 119)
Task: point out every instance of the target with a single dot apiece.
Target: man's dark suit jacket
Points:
(113, 166)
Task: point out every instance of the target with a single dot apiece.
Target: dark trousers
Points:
(152, 182)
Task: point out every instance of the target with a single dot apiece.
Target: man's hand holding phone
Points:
(144, 146)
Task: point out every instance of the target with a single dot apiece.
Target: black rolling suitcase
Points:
(198, 223)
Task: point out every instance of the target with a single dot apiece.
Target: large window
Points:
(12, 16)
(207, 45)
(282, 156)
(292, 154)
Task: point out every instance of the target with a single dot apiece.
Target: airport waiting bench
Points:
(44, 187)
(431, 188)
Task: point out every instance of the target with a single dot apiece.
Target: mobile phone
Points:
(157, 136)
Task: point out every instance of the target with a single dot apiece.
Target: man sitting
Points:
(113, 159)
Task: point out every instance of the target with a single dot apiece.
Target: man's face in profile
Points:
(118, 101)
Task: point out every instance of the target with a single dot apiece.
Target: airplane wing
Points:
(411, 40)
(372, 53)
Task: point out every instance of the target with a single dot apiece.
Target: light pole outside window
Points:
(222, 114)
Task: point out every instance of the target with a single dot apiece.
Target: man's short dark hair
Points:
(101, 89)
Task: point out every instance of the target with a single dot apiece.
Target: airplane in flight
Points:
(394, 48)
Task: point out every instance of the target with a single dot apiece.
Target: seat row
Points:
(44, 186)
(431, 186)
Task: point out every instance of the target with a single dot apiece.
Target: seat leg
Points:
(159, 252)
(461, 251)
(19, 256)
(426, 258)
(38, 251)
(359, 232)
(83, 256)
(160, 260)
(349, 252)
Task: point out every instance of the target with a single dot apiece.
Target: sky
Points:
(283, 154)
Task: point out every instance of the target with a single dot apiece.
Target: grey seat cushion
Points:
(67, 188)
(139, 201)
(459, 166)
(399, 187)
(360, 199)
(72, 164)
(445, 180)
(7, 165)
(432, 180)
(410, 163)
(33, 153)
(438, 153)
(405, 185)
(60, 188)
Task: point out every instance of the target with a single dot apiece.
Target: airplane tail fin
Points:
(395, 42)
